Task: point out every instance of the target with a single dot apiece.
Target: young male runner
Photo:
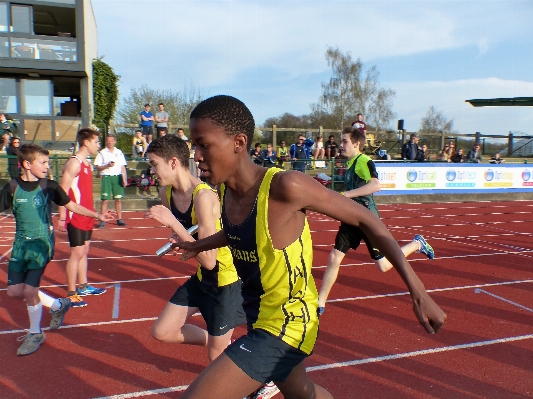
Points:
(361, 182)
(31, 196)
(270, 240)
(77, 181)
(215, 289)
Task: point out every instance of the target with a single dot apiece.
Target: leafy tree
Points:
(178, 104)
(351, 90)
(435, 122)
(105, 93)
(289, 120)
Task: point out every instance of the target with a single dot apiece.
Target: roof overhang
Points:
(502, 102)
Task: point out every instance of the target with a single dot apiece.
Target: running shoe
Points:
(120, 223)
(265, 392)
(31, 343)
(76, 301)
(59, 314)
(425, 248)
(90, 290)
(101, 225)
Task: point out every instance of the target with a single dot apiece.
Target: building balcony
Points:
(46, 48)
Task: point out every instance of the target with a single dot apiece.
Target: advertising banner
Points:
(422, 177)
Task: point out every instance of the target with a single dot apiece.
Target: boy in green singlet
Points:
(361, 182)
(215, 289)
(268, 234)
(31, 196)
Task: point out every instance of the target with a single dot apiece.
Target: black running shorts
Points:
(264, 357)
(350, 236)
(221, 307)
(31, 277)
(78, 237)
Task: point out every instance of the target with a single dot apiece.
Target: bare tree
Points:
(178, 104)
(350, 90)
(435, 122)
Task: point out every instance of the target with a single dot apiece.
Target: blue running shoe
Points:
(59, 314)
(90, 290)
(425, 248)
(76, 301)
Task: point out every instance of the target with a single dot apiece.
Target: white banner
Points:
(414, 176)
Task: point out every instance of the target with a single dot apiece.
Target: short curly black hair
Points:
(229, 113)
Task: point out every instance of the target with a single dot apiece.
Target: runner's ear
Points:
(241, 140)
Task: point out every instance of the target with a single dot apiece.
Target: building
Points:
(46, 53)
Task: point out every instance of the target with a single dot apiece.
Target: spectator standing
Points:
(300, 152)
(359, 124)
(111, 164)
(458, 157)
(7, 129)
(147, 119)
(77, 181)
(497, 158)
(269, 156)
(12, 151)
(256, 154)
(331, 147)
(410, 150)
(474, 155)
(139, 145)
(283, 153)
(161, 119)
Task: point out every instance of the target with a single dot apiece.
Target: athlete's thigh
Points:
(173, 317)
(298, 385)
(222, 379)
(217, 344)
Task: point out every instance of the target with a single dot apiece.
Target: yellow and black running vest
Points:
(279, 293)
(224, 272)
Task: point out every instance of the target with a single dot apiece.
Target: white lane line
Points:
(329, 301)
(420, 353)
(466, 287)
(477, 291)
(6, 253)
(404, 355)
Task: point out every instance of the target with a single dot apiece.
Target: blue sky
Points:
(270, 54)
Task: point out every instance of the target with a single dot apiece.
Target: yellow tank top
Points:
(224, 272)
(279, 293)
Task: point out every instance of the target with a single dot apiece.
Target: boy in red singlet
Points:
(77, 182)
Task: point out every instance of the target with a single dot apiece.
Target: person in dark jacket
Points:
(13, 167)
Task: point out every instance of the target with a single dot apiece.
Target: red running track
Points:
(370, 344)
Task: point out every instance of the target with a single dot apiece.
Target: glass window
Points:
(4, 47)
(21, 19)
(36, 97)
(37, 49)
(59, 1)
(8, 96)
(4, 20)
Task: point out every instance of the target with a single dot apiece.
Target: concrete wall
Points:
(90, 43)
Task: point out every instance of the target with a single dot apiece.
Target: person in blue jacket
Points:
(301, 152)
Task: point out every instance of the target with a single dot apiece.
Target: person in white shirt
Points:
(111, 164)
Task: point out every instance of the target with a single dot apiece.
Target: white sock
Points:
(35, 313)
(49, 302)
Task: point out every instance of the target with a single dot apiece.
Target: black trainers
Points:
(120, 223)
